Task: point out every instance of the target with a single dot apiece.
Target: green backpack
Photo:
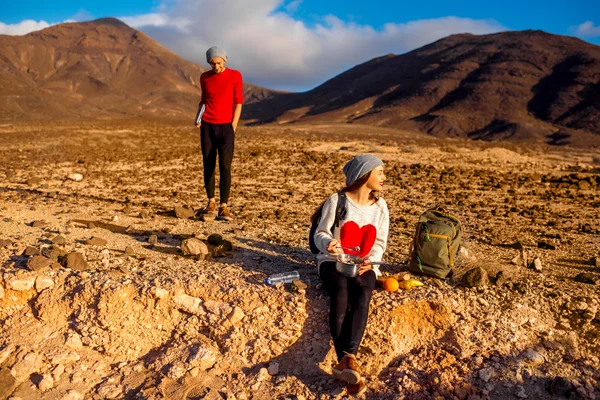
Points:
(436, 242)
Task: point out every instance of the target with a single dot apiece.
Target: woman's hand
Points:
(365, 266)
(333, 246)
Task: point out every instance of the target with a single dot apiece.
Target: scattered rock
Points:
(594, 261)
(485, 374)
(43, 282)
(109, 391)
(33, 181)
(39, 224)
(1, 296)
(30, 251)
(300, 285)
(536, 264)
(194, 247)
(520, 392)
(475, 278)
(53, 253)
(534, 356)
(159, 293)
(74, 341)
(75, 261)
(37, 263)
(5, 243)
(59, 240)
(46, 383)
(91, 225)
(24, 367)
(21, 284)
(202, 357)
(190, 304)
(588, 277)
(153, 239)
(236, 315)
(75, 177)
(273, 368)
(96, 241)
(184, 212)
(215, 239)
(217, 307)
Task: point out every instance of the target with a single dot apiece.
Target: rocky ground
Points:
(112, 287)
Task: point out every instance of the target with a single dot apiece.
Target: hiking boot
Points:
(224, 214)
(356, 389)
(347, 370)
(211, 208)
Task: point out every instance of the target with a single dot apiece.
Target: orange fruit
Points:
(390, 284)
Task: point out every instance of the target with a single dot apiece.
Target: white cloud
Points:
(273, 49)
(23, 27)
(588, 29)
(156, 20)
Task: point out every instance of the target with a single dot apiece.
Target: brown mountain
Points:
(97, 69)
(521, 85)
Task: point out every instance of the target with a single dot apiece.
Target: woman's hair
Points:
(374, 195)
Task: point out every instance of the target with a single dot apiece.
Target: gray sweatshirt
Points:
(364, 226)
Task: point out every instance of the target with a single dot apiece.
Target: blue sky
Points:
(308, 41)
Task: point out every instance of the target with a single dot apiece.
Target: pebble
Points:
(273, 368)
(72, 395)
(536, 264)
(153, 239)
(1, 293)
(520, 392)
(236, 315)
(202, 357)
(485, 374)
(75, 177)
(5, 243)
(192, 305)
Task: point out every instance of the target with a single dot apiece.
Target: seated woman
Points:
(362, 230)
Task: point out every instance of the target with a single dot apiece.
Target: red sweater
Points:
(220, 93)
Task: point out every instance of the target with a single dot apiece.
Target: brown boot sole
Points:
(348, 375)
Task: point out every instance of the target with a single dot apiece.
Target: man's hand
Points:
(197, 125)
(234, 126)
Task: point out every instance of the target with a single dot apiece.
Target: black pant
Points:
(350, 298)
(217, 138)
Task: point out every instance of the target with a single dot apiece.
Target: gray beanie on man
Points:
(359, 166)
(215, 51)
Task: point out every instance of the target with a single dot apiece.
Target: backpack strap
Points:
(340, 210)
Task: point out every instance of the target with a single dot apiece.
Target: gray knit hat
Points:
(360, 166)
(215, 51)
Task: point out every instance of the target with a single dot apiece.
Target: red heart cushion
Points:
(351, 235)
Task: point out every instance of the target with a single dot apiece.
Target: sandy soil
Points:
(131, 316)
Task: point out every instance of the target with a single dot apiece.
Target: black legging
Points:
(349, 310)
(217, 138)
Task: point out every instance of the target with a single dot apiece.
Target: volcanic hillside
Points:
(519, 85)
(96, 69)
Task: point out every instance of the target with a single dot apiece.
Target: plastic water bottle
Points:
(282, 277)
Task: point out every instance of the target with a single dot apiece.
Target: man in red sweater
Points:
(218, 116)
